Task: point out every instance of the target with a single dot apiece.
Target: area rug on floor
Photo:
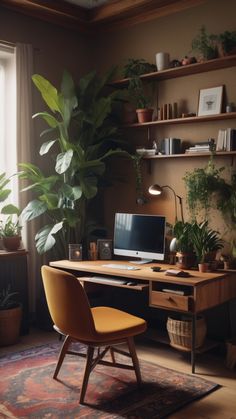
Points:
(27, 389)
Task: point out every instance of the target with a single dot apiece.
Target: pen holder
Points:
(75, 251)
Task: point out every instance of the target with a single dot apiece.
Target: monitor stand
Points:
(141, 261)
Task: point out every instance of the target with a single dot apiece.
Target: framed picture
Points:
(210, 101)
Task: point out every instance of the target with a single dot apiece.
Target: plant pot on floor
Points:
(144, 115)
(10, 321)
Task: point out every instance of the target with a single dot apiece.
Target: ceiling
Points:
(88, 4)
(98, 15)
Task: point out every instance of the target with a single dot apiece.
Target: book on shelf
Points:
(226, 140)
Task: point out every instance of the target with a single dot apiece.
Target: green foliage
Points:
(137, 94)
(204, 188)
(10, 228)
(205, 44)
(82, 134)
(205, 240)
(6, 301)
(228, 41)
(136, 67)
(182, 241)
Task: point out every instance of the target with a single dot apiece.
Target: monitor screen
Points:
(139, 235)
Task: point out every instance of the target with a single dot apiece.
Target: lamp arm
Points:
(180, 202)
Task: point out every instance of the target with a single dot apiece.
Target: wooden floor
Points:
(220, 404)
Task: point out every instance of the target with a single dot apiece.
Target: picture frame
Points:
(210, 101)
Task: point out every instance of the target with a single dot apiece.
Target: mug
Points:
(162, 60)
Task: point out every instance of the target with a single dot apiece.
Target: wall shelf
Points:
(195, 154)
(189, 120)
(183, 71)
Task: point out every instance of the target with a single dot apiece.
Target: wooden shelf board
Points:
(189, 120)
(196, 154)
(183, 71)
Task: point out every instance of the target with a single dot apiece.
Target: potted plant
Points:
(10, 232)
(205, 242)
(205, 44)
(10, 318)
(9, 228)
(136, 67)
(227, 43)
(140, 99)
(205, 187)
(182, 245)
(82, 134)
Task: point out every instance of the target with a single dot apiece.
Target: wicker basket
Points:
(180, 333)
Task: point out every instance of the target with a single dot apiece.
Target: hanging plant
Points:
(140, 198)
(205, 188)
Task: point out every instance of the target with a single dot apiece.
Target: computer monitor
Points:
(139, 235)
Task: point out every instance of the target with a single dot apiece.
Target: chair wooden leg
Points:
(132, 350)
(87, 370)
(62, 354)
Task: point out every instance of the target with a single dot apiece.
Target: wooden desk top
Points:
(144, 273)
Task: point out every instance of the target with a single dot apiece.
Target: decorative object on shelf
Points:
(10, 318)
(136, 67)
(227, 43)
(175, 63)
(210, 101)
(205, 44)
(146, 152)
(206, 242)
(162, 60)
(182, 245)
(180, 332)
(157, 190)
(188, 60)
(104, 249)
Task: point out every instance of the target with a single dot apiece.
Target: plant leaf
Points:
(45, 237)
(33, 210)
(63, 161)
(48, 92)
(45, 147)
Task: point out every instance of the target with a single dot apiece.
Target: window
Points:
(8, 146)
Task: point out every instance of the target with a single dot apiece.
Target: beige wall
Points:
(57, 48)
(172, 34)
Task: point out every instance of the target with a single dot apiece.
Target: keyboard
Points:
(120, 266)
(109, 280)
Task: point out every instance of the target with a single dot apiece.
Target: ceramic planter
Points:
(11, 243)
(144, 115)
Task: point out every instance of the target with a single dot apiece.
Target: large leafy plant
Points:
(82, 133)
(8, 209)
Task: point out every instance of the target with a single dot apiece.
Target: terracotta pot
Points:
(203, 267)
(144, 115)
(11, 243)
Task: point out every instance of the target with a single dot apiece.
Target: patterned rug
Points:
(27, 389)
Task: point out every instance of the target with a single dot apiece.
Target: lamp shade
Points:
(155, 189)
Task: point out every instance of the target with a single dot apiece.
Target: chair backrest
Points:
(68, 303)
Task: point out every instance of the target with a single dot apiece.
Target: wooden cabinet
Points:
(14, 272)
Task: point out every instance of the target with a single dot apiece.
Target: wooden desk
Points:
(201, 291)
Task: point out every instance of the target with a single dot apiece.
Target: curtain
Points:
(25, 153)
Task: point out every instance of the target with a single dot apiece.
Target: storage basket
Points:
(180, 333)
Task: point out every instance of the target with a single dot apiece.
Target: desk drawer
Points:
(168, 300)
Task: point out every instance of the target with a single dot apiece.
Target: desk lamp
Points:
(157, 190)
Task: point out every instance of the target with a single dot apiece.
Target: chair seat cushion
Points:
(111, 323)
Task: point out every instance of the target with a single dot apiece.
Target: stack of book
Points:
(199, 148)
(226, 140)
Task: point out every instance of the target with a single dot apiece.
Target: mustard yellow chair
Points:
(95, 327)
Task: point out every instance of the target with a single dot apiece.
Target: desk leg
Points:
(194, 318)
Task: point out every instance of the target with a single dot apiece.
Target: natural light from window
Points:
(8, 155)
